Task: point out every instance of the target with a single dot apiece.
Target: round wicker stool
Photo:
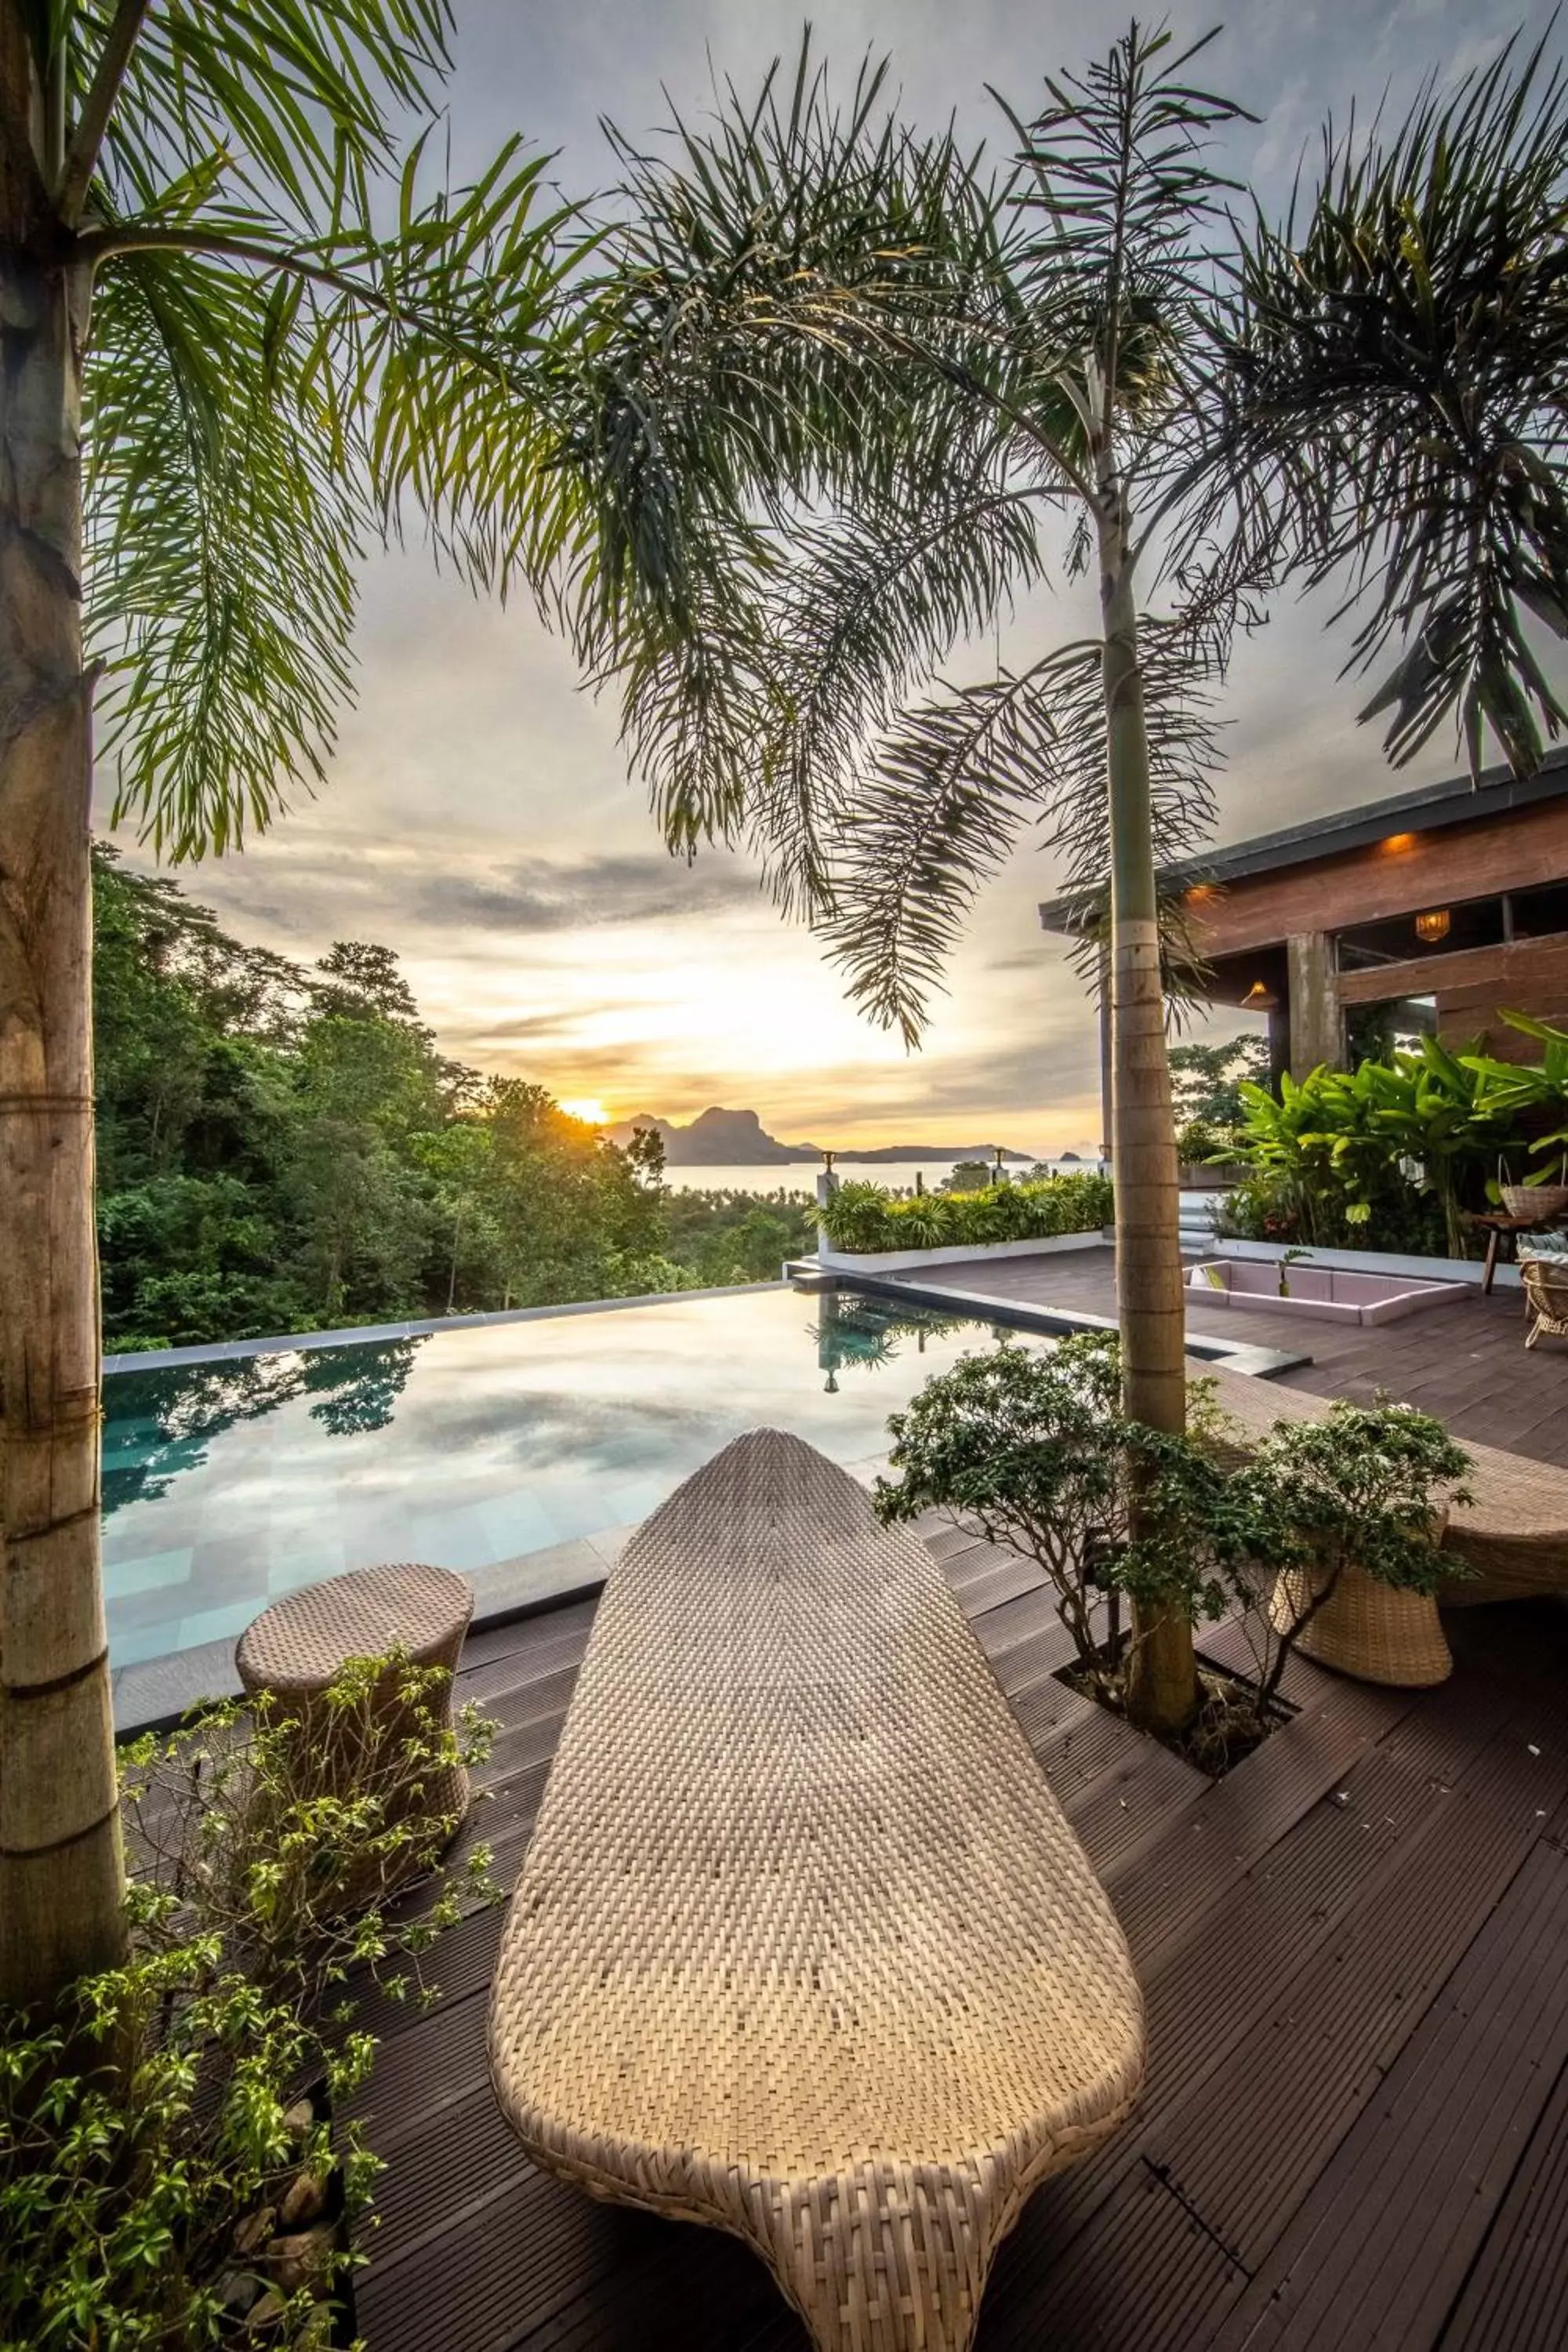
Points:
(1366, 1628)
(297, 1647)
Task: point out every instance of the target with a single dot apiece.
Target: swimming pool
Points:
(230, 1481)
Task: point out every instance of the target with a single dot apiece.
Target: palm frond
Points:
(872, 604)
(223, 527)
(1398, 371)
(1114, 195)
(957, 781)
(291, 99)
(753, 332)
(949, 788)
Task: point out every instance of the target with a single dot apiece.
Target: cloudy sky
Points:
(480, 819)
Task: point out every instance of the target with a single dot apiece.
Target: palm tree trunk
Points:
(60, 1869)
(1163, 1678)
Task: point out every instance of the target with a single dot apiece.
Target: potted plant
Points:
(1366, 1491)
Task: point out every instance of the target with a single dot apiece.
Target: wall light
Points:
(1260, 998)
(1396, 842)
(1433, 925)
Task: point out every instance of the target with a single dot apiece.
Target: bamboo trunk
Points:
(1162, 1690)
(60, 1869)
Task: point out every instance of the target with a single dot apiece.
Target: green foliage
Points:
(282, 1151)
(159, 2111)
(865, 1217)
(1369, 1486)
(1032, 1447)
(301, 338)
(1022, 1444)
(966, 1176)
(850, 378)
(1384, 1156)
(720, 1236)
(1395, 371)
(1206, 1082)
(1532, 1093)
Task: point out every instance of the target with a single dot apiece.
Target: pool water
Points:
(231, 1481)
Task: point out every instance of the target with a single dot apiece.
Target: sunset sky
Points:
(479, 820)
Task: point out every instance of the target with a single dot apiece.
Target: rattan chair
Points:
(803, 1946)
(1545, 1281)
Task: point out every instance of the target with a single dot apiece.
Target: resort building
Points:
(1429, 912)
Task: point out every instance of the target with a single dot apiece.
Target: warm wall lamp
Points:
(1433, 925)
(1260, 998)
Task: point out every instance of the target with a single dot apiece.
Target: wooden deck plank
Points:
(1384, 2242)
(1515, 2296)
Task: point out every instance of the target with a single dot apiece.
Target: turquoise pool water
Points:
(229, 1482)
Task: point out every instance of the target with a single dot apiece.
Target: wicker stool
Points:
(297, 1647)
(1366, 1628)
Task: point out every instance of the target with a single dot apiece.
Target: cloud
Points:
(564, 894)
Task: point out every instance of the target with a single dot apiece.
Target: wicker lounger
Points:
(803, 1946)
(1514, 1535)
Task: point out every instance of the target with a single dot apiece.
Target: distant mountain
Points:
(716, 1138)
(737, 1138)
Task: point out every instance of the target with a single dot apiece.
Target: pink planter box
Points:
(1321, 1291)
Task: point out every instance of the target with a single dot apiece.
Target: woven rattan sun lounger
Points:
(1512, 1536)
(803, 1946)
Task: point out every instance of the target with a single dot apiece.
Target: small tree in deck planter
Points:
(1367, 1490)
(1024, 1446)
(1034, 1450)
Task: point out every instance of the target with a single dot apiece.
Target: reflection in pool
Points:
(227, 1483)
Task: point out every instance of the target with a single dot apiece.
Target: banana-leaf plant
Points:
(1521, 1090)
(1334, 1142)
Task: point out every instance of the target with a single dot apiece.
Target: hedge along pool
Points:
(232, 1480)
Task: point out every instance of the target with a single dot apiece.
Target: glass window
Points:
(1374, 1030)
(1538, 913)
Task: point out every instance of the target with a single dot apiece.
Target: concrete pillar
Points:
(1317, 1029)
(826, 1185)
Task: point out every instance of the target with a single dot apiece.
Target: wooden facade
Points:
(1317, 926)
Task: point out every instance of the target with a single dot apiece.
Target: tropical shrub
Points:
(1033, 1449)
(1023, 1444)
(1534, 1095)
(864, 1217)
(1367, 1487)
(1384, 1156)
(175, 2163)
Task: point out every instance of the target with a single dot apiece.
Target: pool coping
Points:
(289, 1343)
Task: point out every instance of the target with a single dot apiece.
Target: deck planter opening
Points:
(1326, 1293)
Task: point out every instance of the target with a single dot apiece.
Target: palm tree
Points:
(241, 337)
(850, 385)
(853, 387)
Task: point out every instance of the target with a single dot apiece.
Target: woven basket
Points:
(1369, 1629)
(1535, 1200)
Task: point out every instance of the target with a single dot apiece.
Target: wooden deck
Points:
(1355, 1954)
(1465, 1362)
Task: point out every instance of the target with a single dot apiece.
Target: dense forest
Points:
(283, 1150)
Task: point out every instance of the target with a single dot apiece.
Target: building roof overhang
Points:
(1428, 809)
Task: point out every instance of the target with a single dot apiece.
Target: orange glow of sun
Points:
(587, 1108)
